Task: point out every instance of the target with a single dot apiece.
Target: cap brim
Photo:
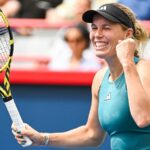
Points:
(88, 16)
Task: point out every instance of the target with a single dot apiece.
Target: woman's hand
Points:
(125, 50)
(36, 137)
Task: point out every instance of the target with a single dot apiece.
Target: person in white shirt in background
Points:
(74, 52)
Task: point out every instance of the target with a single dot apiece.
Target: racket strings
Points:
(4, 46)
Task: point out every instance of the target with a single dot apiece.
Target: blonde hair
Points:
(140, 34)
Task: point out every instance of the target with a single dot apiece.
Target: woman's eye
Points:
(93, 28)
(107, 27)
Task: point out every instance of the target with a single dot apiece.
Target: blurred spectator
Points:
(69, 10)
(96, 3)
(36, 8)
(75, 53)
(80, 7)
(140, 7)
(10, 7)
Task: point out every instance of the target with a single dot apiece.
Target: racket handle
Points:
(16, 119)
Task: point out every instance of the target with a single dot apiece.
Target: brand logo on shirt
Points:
(108, 97)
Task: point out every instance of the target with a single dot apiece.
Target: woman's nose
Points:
(99, 33)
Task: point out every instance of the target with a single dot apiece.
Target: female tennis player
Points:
(120, 93)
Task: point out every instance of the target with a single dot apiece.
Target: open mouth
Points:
(101, 45)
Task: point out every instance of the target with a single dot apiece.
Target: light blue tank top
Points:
(115, 117)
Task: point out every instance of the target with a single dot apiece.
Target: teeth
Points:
(100, 45)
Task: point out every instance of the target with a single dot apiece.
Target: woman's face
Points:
(75, 40)
(105, 35)
(2, 2)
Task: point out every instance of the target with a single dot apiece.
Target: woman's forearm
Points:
(139, 101)
(79, 137)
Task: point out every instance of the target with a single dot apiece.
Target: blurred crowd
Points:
(74, 50)
(56, 10)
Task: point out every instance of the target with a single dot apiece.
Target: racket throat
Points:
(6, 99)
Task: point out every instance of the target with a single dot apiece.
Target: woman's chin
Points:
(100, 54)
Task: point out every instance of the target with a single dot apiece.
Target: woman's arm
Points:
(138, 86)
(138, 82)
(90, 134)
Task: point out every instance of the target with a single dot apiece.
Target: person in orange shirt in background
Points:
(69, 11)
(10, 7)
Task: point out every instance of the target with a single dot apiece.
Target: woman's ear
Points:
(129, 33)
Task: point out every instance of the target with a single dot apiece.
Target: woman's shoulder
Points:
(143, 63)
(143, 67)
(97, 80)
(100, 74)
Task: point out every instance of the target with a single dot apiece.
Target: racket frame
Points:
(5, 90)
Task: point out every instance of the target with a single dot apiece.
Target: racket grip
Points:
(16, 119)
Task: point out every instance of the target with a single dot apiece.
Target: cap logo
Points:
(103, 8)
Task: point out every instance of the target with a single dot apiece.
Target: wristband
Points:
(46, 138)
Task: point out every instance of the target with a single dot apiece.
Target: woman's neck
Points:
(115, 68)
(75, 61)
(76, 57)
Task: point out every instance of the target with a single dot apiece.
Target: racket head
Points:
(6, 42)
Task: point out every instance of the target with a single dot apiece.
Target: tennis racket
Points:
(6, 53)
